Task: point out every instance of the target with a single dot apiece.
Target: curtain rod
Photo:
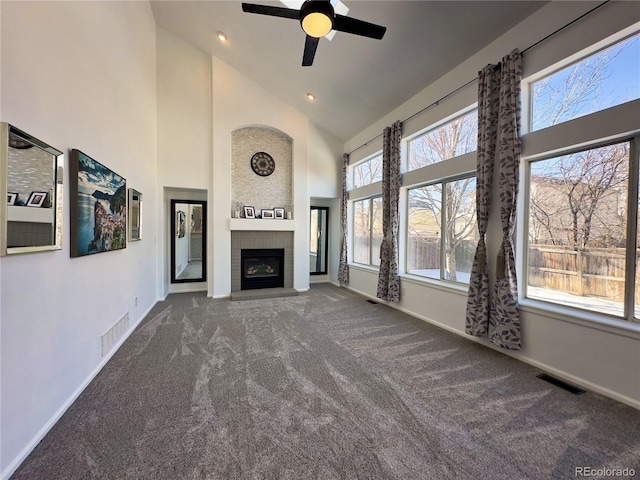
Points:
(497, 67)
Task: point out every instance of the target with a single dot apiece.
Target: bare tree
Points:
(571, 92)
(579, 199)
(442, 144)
(574, 194)
(367, 172)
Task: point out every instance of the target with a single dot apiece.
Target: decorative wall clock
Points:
(263, 164)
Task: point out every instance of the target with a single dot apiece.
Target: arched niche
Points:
(249, 188)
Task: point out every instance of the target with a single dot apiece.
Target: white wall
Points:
(325, 178)
(201, 101)
(325, 164)
(604, 358)
(77, 75)
(240, 102)
(184, 141)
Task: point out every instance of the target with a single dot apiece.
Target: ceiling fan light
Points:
(317, 24)
(316, 18)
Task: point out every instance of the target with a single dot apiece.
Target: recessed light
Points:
(222, 37)
(311, 97)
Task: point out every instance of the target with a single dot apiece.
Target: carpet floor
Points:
(323, 386)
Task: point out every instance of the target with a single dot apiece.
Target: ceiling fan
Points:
(318, 18)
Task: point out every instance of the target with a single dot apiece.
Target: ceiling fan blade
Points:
(310, 46)
(358, 27)
(272, 11)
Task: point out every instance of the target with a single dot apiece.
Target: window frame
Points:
(526, 94)
(442, 226)
(604, 127)
(352, 261)
(431, 128)
(451, 169)
(359, 163)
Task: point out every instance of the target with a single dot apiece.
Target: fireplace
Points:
(262, 268)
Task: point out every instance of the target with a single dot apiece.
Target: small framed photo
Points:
(36, 199)
(249, 212)
(278, 213)
(267, 213)
(12, 198)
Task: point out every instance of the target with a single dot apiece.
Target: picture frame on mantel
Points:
(268, 214)
(36, 199)
(278, 213)
(249, 212)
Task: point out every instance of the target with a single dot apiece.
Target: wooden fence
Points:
(422, 254)
(595, 272)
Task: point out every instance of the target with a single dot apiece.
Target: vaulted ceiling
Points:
(356, 80)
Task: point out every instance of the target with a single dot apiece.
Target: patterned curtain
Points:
(498, 123)
(388, 278)
(504, 321)
(343, 268)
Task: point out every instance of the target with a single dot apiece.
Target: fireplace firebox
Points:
(262, 268)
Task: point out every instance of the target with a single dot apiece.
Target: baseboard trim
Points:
(24, 453)
(518, 356)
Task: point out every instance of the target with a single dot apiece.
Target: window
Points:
(367, 172)
(367, 231)
(580, 231)
(441, 242)
(577, 241)
(452, 139)
(602, 80)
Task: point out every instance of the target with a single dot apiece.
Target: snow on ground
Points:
(594, 304)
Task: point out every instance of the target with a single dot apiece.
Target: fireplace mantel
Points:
(261, 225)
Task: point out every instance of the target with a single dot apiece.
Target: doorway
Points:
(318, 240)
(188, 241)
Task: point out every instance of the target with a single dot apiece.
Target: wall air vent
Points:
(111, 337)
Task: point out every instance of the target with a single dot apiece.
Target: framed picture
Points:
(180, 223)
(278, 213)
(135, 215)
(36, 199)
(249, 212)
(196, 218)
(98, 206)
(267, 213)
(12, 198)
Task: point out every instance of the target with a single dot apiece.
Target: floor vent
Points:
(560, 383)
(372, 302)
(111, 337)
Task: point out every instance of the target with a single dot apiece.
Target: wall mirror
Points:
(188, 241)
(32, 173)
(135, 215)
(319, 239)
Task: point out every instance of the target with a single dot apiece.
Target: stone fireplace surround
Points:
(242, 239)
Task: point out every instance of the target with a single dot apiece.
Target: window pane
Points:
(447, 141)
(361, 231)
(313, 237)
(367, 172)
(637, 292)
(423, 231)
(376, 230)
(577, 229)
(603, 80)
(460, 229)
